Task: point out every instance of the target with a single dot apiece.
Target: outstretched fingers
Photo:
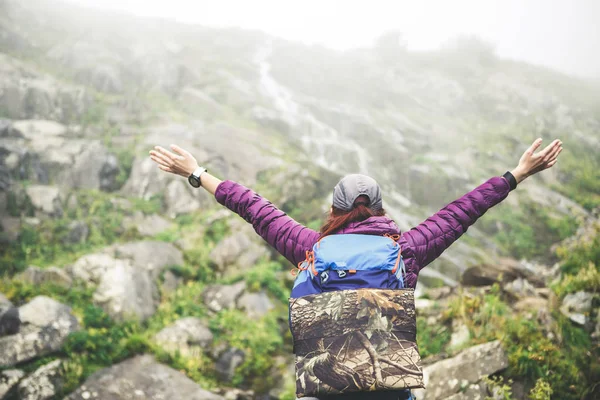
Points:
(534, 146)
(160, 158)
(180, 151)
(549, 149)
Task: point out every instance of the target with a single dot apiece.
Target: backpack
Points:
(353, 322)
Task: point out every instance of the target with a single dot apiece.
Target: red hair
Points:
(339, 219)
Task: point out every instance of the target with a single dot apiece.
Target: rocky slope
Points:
(104, 257)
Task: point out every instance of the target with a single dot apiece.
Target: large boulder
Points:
(504, 271)
(577, 306)
(126, 276)
(149, 255)
(223, 297)
(140, 377)
(448, 377)
(8, 379)
(93, 168)
(255, 304)
(147, 225)
(45, 324)
(239, 250)
(46, 199)
(127, 292)
(36, 276)
(187, 336)
(43, 383)
(228, 363)
(9, 317)
(27, 93)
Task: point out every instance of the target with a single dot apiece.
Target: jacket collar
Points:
(372, 226)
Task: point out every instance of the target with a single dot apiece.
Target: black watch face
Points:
(194, 181)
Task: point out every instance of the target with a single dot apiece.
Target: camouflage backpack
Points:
(353, 323)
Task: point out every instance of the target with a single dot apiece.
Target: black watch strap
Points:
(512, 181)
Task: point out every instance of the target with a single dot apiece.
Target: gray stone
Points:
(10, 229)
(596, 333)
(78, 232)
(477, 391)
(8, 379)
(148, 225)
(9, 317)
(45, 325)
(91, 267)
(148, 255)
(504, 271)
(187, 335)
(140, 377)
(126, 292)
(93, 168)
(36, 276)
(43, 384)
(240, 249)
(228, 362)
(520, 288)
(223, 297)
(448, 377)
(577, 306)
(46, 199)
(255, 304)
(171, 282)
(460, 335)
(34, 129)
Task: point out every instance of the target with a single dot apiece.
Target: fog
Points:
(559, 34)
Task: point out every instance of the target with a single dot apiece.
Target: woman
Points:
(357, 208)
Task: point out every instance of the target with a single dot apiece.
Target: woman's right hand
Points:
(531, 163)
(182, 163)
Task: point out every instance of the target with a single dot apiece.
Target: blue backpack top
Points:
(350, 261)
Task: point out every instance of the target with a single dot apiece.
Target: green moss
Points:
(432, 339)
(260, 339)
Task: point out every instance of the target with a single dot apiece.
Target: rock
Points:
(223, 297)
(460, 335)
(520, 288)
(10, 322)
(239, 249)
(187, 335)
(93, 168)
(45, 324)
(576, 306)
(36, 276)
(34, 129)
(10, 229)
(78, 232)
(448, 377)
(504, 271)
(9, 317)
(228, 362)
(46, 199)
(171, 282)
(439, 293)
(91, 267)
(151, 256)
(150, 225)
(255, 304)
(43, 384)
(8, 379)
(140, 377)
(126, 292)
(477, 391)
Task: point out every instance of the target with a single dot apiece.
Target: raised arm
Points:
(282, 232)
(428, 240)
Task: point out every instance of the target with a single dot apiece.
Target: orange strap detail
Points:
(397, 260)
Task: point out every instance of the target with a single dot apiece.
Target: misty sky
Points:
(558, 33)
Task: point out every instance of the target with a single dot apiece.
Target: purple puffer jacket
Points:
(420, 245)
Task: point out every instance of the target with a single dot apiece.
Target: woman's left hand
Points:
(532, 163)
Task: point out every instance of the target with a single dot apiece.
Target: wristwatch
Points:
(194, 178)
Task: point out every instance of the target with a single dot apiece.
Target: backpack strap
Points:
(395, 239)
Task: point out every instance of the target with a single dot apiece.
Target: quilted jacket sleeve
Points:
(282, 232)
(428, 240)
